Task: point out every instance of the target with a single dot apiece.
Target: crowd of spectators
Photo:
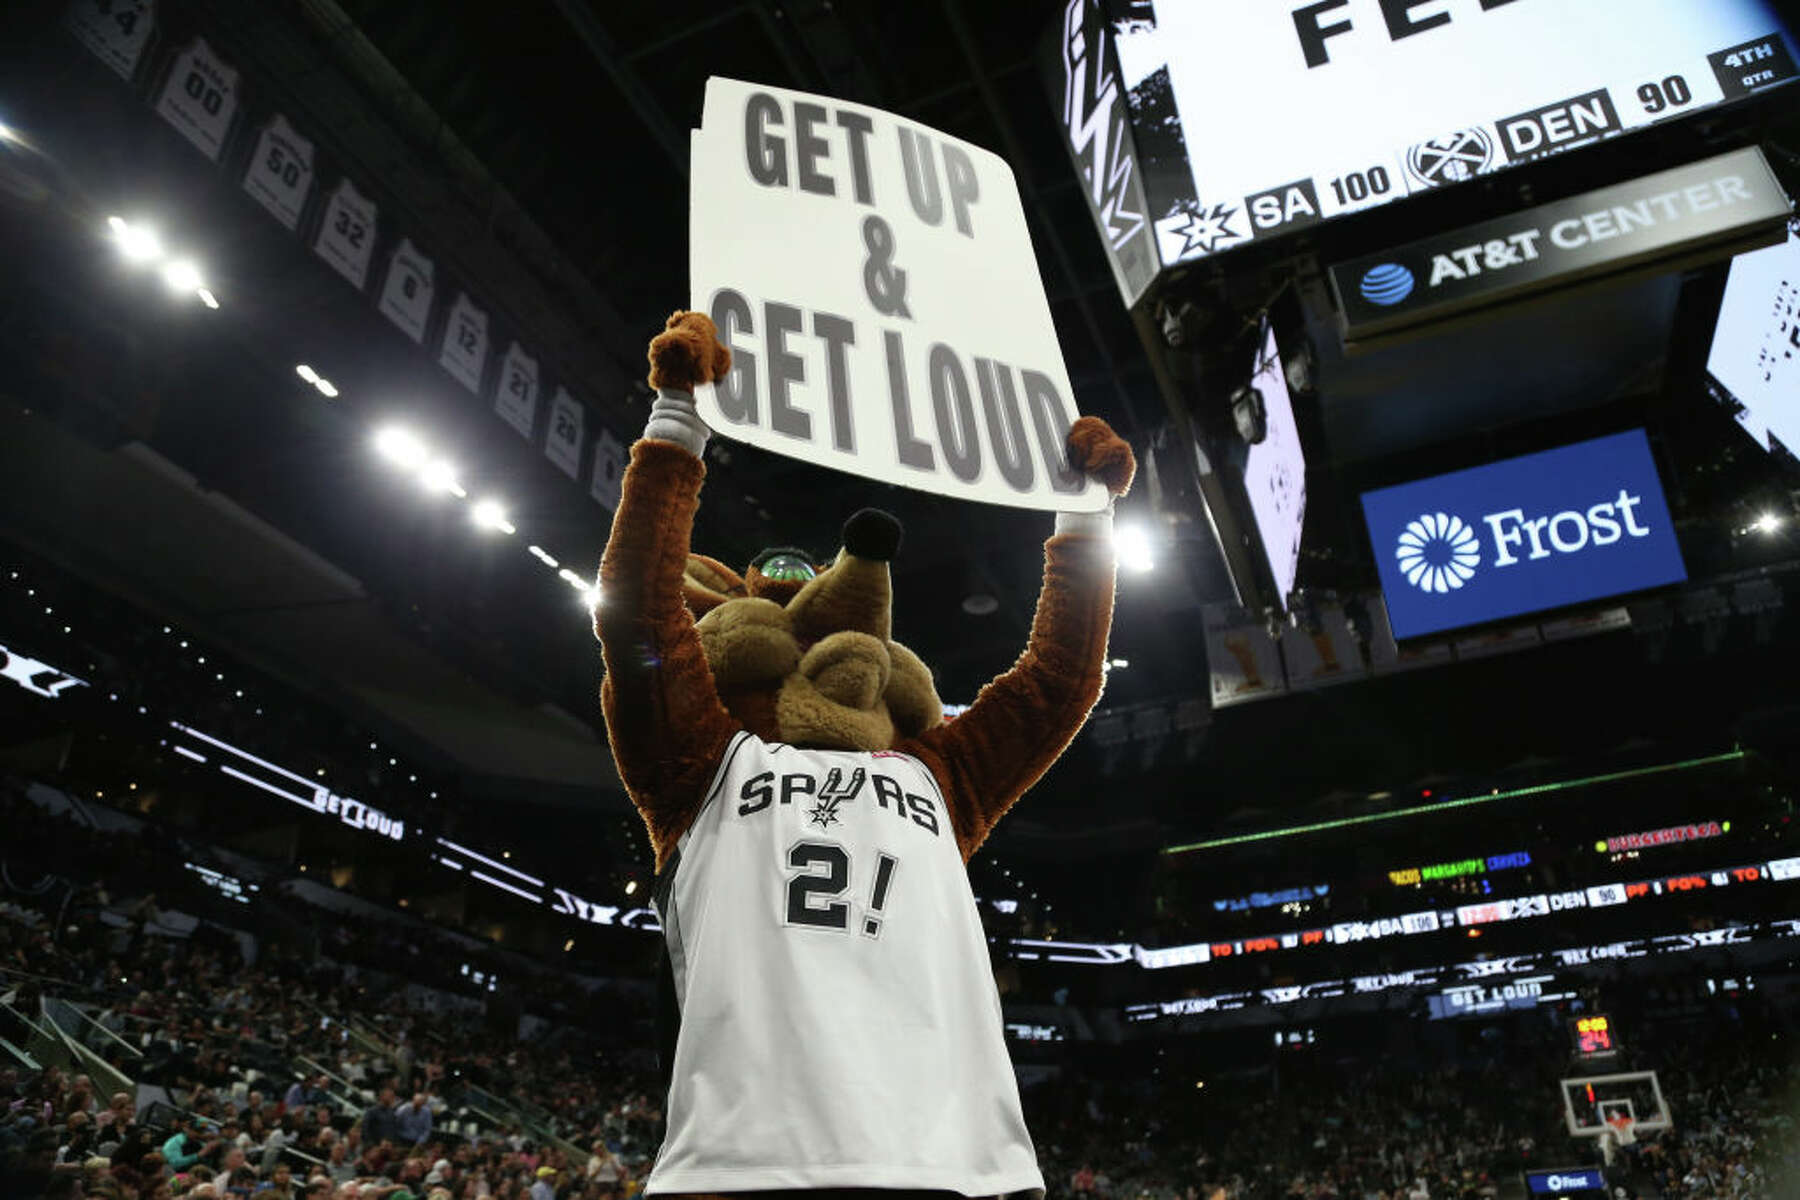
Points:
(1353, 1123)
(304, 1074)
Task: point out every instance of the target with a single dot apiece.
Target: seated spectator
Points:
(414, 1120)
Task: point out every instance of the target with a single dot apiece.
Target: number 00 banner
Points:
(876, 282)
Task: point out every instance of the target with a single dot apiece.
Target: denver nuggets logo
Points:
(1451, 158)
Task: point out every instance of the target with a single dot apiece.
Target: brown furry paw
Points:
(1094, 449)
(688, 353)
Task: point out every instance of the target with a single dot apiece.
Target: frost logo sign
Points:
(1437, 552)
(1577, 523)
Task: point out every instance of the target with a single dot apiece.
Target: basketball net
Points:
(1620, 1124)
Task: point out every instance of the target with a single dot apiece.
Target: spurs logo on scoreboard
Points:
(1094, 121)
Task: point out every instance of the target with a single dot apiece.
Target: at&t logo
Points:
(1439, 552)
(1386, 284)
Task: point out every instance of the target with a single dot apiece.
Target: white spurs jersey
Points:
(839, 1024)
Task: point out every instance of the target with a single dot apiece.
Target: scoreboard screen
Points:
(1255, 118)
(1593, 1035)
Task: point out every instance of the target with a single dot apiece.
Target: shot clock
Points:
(1593, 1036)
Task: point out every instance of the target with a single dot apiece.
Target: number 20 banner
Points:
(876, 282)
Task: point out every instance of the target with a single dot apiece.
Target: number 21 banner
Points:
(876, 283)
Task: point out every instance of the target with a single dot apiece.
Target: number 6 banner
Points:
(281, 171)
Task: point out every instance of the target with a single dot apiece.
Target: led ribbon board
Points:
(1202, 127)
(1523, 535)
(1412, 876)
(1674, 835)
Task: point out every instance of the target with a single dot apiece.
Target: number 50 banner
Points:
(875, 281)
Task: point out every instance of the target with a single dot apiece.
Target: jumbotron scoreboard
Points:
(1200, 127)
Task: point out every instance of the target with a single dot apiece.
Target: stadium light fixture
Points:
(307, 373)
(1768, 523)
(543, 556)
(326, 388)
(207, 298)
(487, 514)
(400, 447)
(138, 243)
(1132, 544)
(182, 276)
(439, 476)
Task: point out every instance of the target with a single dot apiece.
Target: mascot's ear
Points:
(708, 583)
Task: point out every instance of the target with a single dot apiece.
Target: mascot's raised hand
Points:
(831, 1021)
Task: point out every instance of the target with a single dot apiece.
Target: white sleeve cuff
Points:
(1094, 524)
(673, 418)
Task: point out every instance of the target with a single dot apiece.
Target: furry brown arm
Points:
(1022, 721)
(663, 716)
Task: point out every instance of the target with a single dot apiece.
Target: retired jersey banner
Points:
(115, 30)
(200, 97)
(876, 282)
(281, 171)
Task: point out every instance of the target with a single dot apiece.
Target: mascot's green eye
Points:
(786, 567)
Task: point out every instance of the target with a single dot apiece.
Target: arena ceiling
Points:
(540, 148)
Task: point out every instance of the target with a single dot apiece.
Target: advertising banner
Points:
(1719, 202)
(1560, 527)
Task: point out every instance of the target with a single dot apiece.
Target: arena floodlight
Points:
(1132, 544)
(1768, 523)
(138, 243)
(326, 388)
(401, 448)
(307, 373)
(572, 579)
(207, 298)
(543, 556)
(439, 476)
(487, 514)
(182, 276)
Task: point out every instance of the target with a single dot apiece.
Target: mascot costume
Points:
(836, 1024)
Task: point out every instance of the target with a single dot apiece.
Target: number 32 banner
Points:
(876, 283)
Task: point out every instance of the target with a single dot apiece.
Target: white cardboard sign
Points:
(876, 282)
